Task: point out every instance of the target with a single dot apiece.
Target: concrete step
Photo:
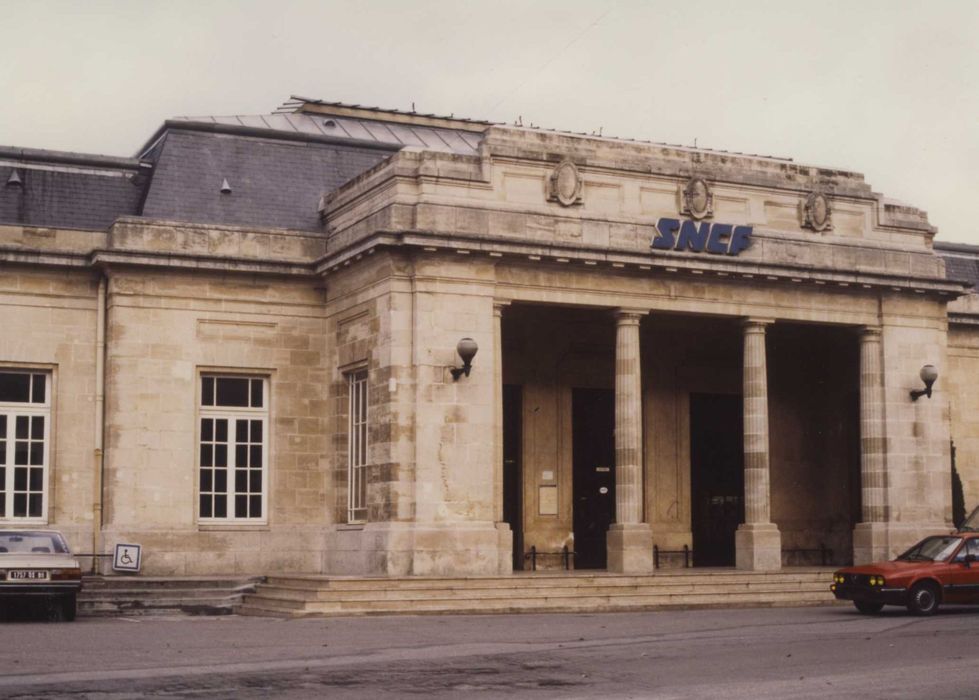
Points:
(296, 595)
(312, 594)
(138, 596)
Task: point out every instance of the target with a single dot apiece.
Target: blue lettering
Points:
(692, 238)
(667, 229)
(740, 240)
(718, 243)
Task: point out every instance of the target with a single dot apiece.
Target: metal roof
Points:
(361, 130)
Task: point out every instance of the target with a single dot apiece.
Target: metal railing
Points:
(565, 554)
(686, 552)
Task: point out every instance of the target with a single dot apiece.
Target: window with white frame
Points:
(233, 455)
(357, 447)
(25, 423)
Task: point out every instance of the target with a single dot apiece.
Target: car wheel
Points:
(69, 605)
(868, 608)
(923, 599)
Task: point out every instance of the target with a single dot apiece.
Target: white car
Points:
(37, 566)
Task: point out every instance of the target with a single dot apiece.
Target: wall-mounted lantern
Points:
(467, 351)
(928, 375)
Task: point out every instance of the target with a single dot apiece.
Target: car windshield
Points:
(932, 549)
(971, 524)
(27, 542)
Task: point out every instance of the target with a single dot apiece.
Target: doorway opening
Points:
(513, 468)
(716, 476)
(593, 481)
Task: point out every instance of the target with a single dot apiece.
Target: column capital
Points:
(625, 316)
(870, 333)
(499, 305)
(756, 323)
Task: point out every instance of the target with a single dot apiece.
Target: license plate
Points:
(27, 575)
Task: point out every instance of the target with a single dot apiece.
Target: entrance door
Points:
(512, 468)
(593, 457)
(716, 476)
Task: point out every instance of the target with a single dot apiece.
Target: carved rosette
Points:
(817, 214)
(696, 199)
(564, 185)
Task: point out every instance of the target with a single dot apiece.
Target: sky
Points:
(885, 88)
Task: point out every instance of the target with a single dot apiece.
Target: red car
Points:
(939, 569)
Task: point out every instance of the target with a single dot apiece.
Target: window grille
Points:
(25, 424)
(233, 455)
(357, 447)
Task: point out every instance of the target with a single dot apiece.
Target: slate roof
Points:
(274, 183)
(961, 262)
(68, 190)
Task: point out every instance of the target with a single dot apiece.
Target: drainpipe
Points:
(99, 423)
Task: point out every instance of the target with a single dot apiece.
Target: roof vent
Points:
(225, 187)
(14, 180)
(329, 122)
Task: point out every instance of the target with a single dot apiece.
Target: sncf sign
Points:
(719, 239)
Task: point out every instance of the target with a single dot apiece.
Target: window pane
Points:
(3, 479)
(20, 479)
(220, 506)
(207, 456)
(3, 427)
(205, 506)
(255, 506)
(220, 455)
(3, 452)
(37, 427)
(15, 387)
(20, 505)
(241, 431)
(241, 480)
(221, 430)
(207, 429)
(256, 431)
(38, 380)
(207, 480)
(255, 481)
(37, 479)
(221, 480)
(241, 506)
(256, 454)
(20, 452)
(21, 426)
(207, 391)
(37, 453)
(232, 391)
(241, 455)
(34, 504)
(257, 392)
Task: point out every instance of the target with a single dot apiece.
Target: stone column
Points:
(505, 548)
(869, 536)
(629, 539)
(758, 542)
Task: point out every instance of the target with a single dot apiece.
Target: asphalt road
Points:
(756, 653)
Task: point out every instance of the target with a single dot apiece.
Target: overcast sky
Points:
(886, 88)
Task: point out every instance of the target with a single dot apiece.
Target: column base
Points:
(758, 547)
(882, 541)
(505, 547)
(630, 548)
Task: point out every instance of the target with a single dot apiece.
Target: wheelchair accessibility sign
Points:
(127, 557)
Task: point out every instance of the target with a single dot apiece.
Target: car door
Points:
(962, 584)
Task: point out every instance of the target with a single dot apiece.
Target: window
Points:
(357, 447)
(233, 449)
(25, 418)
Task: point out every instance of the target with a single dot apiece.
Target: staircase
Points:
(130, 595)
(305, 595)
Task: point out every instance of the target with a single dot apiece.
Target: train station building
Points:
(346, 340)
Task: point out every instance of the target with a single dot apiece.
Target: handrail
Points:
(686, 552)
(565, 554)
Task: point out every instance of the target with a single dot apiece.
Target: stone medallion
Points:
(817, 213)
(564, 185)
(697, 199)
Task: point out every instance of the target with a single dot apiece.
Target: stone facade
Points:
(791, 359)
